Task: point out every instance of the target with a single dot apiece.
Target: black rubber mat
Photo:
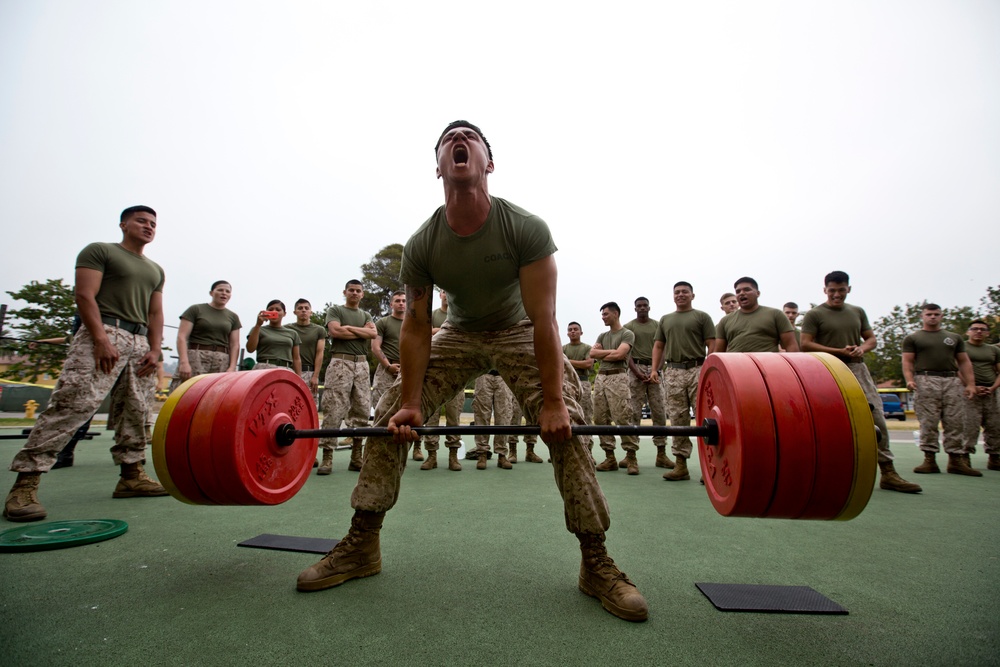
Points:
(309, 545)
(769, 599)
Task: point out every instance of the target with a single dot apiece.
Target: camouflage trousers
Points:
(587, 403)
(652, 393)
(202, 362)
(380, 383)
(939, 399)
(307, 377)
(492, 399)
(611, 403)
(982, 412)
(347, 397)
(455, 358)
(681, 393)
(864, 378)
(516, 416)
(452, 416)
(80, 391)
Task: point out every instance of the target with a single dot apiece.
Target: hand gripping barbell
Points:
(780, 436)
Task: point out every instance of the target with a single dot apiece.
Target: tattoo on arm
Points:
(414, 294)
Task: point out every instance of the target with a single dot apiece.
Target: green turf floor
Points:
(478, 569)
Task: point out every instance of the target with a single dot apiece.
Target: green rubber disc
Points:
(60, 534)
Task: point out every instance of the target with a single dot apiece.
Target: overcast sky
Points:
(284, 143)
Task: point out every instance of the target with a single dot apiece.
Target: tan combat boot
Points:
(632, 463)
(994, 462)
(680, 471)
(135, 483)
(22, 501)
(891, 481)
(453, 462)
(513, 452)
(662, 460)
(929, 465)
(958, 464)
(357, 555)
(418, 455)
(600, 578)
(610, 463)
(432, 460)
(326, 467)
(357, 455)
(481, 463)
(502, 462)
(530, 456)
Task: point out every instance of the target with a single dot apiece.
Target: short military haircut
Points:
(930, 306)
(398, 293)
(611, 305)
(132, 210)
(219, 282)
(978, 322)
(576, 323)
(353, 282)
(837, 277)
(638, 299)
(277, 302)
(684, 283)
(746, 279)
(791, 304)
(303, 301)
(725, 296)
(464, 123)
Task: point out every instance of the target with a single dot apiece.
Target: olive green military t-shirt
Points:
(210, 326)
(578, 352)
(759, 331)
(388, 328)
(836, 327)
(644, 332)
(479, 272)
(128, 283)
(612, 340)
(309, 335)
(276, 343)
(934, 350)
(984, 360)
(352, 317)
(683, 335)
(437, 318)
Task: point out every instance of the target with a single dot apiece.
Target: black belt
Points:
(643, 362)
(583, 374)
(308, 367)
(852, 360)
(611, 371)
(494, 372)
(984, 384)
(131, 327)
(275, 362)
(938, 374)
(208, 348)
(690, 363)
(392, 361)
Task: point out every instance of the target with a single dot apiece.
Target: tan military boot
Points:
(431, 462)
(481, 463)
(357, 456)
(418, 455)
(503, 462)
(680, 471)
(632, 463)
(891, 481)
(610, 463)
(958, 464)
(453, 462)
(513, 452)
(994, 462)
(326, 467)
(22, 501)
(600, 578)
(357, 555)
(662, 460)
(530, 456)
(929, 465)
(135, 483)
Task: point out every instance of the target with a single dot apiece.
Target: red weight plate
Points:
(252, 468)
(740, 471)
(176, 441)
(834, 437)
(796, 440)
(200, 444)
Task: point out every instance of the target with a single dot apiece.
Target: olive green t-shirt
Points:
(437, 318)
(612, 340)
(309, 335)
(210, 326)
(352, 317)
(683, 335)
(479, 272)
(759, 331)
(836, 327)
(128, 282)
(578, 352)
(934, 350)
(388, 328)
(984, 360)
(276, 343)
(644, 333)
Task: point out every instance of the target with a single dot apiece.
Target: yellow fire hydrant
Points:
(29, 409)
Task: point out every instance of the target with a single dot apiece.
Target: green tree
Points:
(48, 314)
(989, 310)
(380, 278)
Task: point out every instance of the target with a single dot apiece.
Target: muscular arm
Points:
(317, 363)
(234, 350)
(710, 345)
(415, 354)
(154, 324)
(788, 343)
(296, 360)
(966, 373)
(586, 363)
(88, 283)
(909, 361)
(183, 362)
(347, 332)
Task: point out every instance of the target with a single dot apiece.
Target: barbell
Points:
(779, 436)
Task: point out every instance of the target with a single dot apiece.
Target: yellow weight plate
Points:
(159, 438)
(865, 443)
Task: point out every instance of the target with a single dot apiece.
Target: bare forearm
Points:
(548, 354)
(415, 354)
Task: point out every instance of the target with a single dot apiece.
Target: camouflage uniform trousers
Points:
(587, 403)
(860, 371)
(80, 391)
(984, 412)
(611, 403)
(452, 417)
(307, 377)
(347, 396)
(149, 384)
(492, 399)
(516, 416)
(681, 395)
(455, 358)
(380, 384)
(202, 362)
(652, 393)
(940, 399)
